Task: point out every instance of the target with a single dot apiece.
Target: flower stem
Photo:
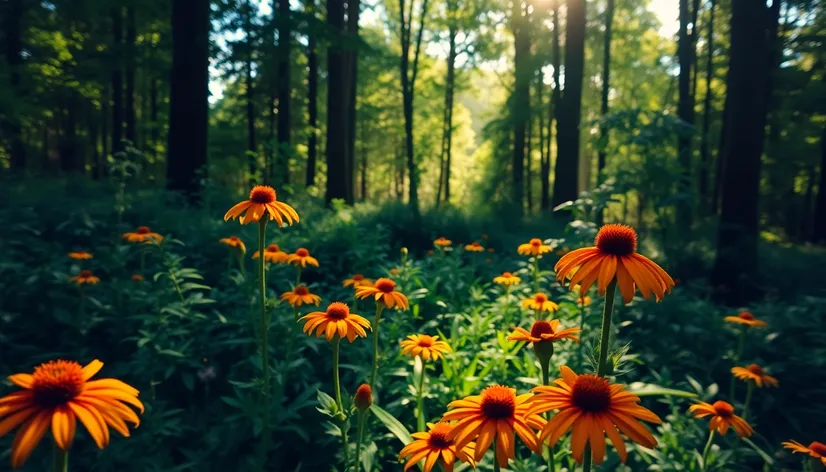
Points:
(740, 345)
(581, 329)
(749, 392)
(707, 449)
(496, 467)
(60, 459)
(536, 273)
(546, 381)
(360, 438)
(506, 315)
(337, 387)
(420, 400)
(375, 369)
(265, 367)
(297, 275)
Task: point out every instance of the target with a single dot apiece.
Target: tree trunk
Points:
(447, 125)
(705, 151)
(606, 87)
(544, 157)
(336, 165)
(117, 79)
(685, 111)
(351, 64)
(570, 109)
(312, 99)
(735, 267)
(131, 35)
(552, 105)
(154, 125)
(252, 150)
(520, 101)
(363, 162)
(188, 108)
(284, 150)
(408, 79)
(11, 126)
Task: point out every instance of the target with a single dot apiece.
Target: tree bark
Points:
(351, 64)
(189, 92)
(11, 126)
(606, 87)
(553, 105)
(131, 35)
(447, 126)
(685, 111)
(705, 151)
(252, 149)
(117, 79)
(363, 162)
(336, 165)
(312, 99)
(284, 150)
(520, 102)
(544, 156)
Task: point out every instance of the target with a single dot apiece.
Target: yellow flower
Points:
(299, 296)
(84, 277)
(474, 247)
(262, 204)
(427, 347)
(533, 248)
(143, 234)
(746, 318)
(358, 280)
(384, 290)
(507, 279)
(540, 303)
(234, 242)
(273, 253)
(80, 255)
(302, 258)
(756, 373)
(336, 321)
(722, 416)
(434, 447)
(442, 242)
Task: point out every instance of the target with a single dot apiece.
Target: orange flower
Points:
(816, 450)
(430, 252)
(723, 416)
(358, 280)
(474, 247)
(544, 331)
(754, 372)
(561, 252)
(442, 242)
(591, 406)
(425, 346)
(540, 303)
(137, 278)
(273, 253)
(84, 277)
(490, 249)
(394, 271)
(80, 255)
(234, 242)
(435, 447)
(262, 204)
(614, 256)
(299, 296)
(363, 397)
(384, 290)
(495, 414)
(507, 279)
(58, 394)
(143, 234)
(533, 248)
(746, 318)
(302, 257)
(583, 300)
(336, 321)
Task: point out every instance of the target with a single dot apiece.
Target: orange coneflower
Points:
(358, 280)
(336, 321)
(474, 247)
(384, 290)
(56, 395)
(143, 234)
(442, 242)
(394, 271)
(428, 347)
(234, 242)
(614, 255)
(436, 447)
(723, 416)
(273, 253)
(593, 408)
(746, 318)
(816, 450)
(262, 203)
(534, 247)
(544, 331)
(84, 277)
(583, 301)
(495, 414)
(302, 257)
(300, 296)
(756, 373)
(540, 303)
(507, 279)
(80, 255)
(137, 278)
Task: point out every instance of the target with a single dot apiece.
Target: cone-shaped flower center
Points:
(233, 239)
(85, 274)
(536, 242)
(723, 409)
(425, 341)
(385, 285)
(363, 397)
(755, 369)
(301, 290)
(338, 310)
(591, 393)
(540, 298)
(301, 252)
(358, 278)
(618, 240)
(143, 230)
(438, 436)
(818, 448)
(507, 274)
(746, 316)
(57, 382)
(272, 248)
(498, 402)
(262, 194)
(541, 327)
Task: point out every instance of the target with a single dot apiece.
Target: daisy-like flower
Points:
(80, 255)
(336, 321)
(58, 394)
(302, 258)
(722, 416)
(746, 318)
(428, 347)
(495, 414)
(583, 300)
(384, 290)
(442, 242)
(544, 332)
(540, 302)
(262, 204)
(507, 279)
(534, 247)
(137, 278)
(235, 243)
(435, 447)
(756, 373)
(300, 295)
(84, 277)
(273, 253)
(816, 450)
(474, 247)
(614, 255)
(592, 407)
(358, 280)
(142, 235)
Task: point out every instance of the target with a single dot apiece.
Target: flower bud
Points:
(363, 398)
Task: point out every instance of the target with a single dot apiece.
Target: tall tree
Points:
(685, 110)
(735, 267)
(351, 71)
(570, 107)
(10, 125)
(553, 106)
(336, 134)
(312, 96)
(520, 101)
(705, 149)
(189, 93)
(249, 52)
(131, 37)
(450, 84)
(606, 87)
(117, 79)
(284, 150)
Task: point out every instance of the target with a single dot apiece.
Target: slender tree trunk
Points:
(606, 87)
(447, 125)
(131, 36)
(685, 111)
(105, 113)
(312, 99)
(154, 125)
(353, 10)
(705, 151)
(819, 221)
(544, 137)
(363, 161)
(117, 79)
(188, 108)
(553, 105)
(336, 165)
(528, 166)
(14, 13)
(284, 149)
(520, 101)
(252, 149)
(570, 110)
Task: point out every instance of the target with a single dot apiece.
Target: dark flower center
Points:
(425, 341)
(262, 194)
(57, 382)
(536, 242)
(385, 285)
(755, 369)
(358, 277)
(272, 248)
(85, 274)
(746, 316)
(818, 448)
(618, 240)
(498, 402)
(507, 274)
(723, 409)
(143, 230)
(591, 393)
(438, 436)
(301, 290)
(541, 327)
(540, 298)
(301, 252)
(338, 310)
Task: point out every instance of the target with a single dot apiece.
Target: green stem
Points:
(496, 467)
(60, 459)
(375, 369)
(536, 273)
(143, 258)
(362, 415)
(337, 387)
(581, 330)
(507, 303)
(265, 366)
(546, 381)
(420, 399)
(297, 275)
(749, 392)
(740, 345)
(707, 449)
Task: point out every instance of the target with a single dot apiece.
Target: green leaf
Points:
(642, 389)
(392, 424)
(767, 458)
